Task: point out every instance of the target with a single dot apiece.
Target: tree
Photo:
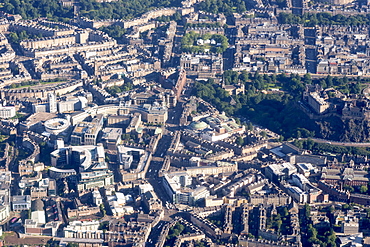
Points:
(102, 209)
(263, 134)
(346, 207)
(312, 232)
(244, 77)
(277, 225)
(307, 211)
(72, 245)
(250, 126)
(13, 38)
(299, 135)
(348, 188)
(240, 141)
(114, 31)
(285, 212)
(363, 189)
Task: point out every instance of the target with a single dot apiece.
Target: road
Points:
(154, 234)
(311, 53)
(228, 55)
(156, 164)
(344, 144)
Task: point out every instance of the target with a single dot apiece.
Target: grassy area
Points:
(41, 83)
(18, 116)
(273, 86)
(34, 83)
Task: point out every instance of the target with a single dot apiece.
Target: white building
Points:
(83, 229)
(143, 188)
(117, 204)
(297, 194)
(52, 103)
(300, 181)
(176, 187)
(97, 199)
(7, 111)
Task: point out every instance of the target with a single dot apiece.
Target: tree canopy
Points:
(113, 31)
(312, 19)
(226, 6)
(30, 9)
(53, 9)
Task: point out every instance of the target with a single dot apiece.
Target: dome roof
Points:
(198, 125)
(37, 205)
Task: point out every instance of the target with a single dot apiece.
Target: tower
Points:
(52, 103)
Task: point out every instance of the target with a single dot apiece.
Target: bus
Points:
(14, 220)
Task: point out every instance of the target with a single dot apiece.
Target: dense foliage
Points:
(30, 9)
(280, 222)
(312, 19)
(18, 36)
(122, 9)
(215, 43)
(316, 236)
(52, 9)
(226, 6)
(276, 111)
(114, 90)
(175, 17)
(280, 110)
(174, 232)
(114, 31)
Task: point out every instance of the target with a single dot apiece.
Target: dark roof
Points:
(37, 205)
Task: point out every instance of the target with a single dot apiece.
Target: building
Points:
(177, 186)
(134, 123)
(345, 176)
(83, 229)
(280, 172)
(7, 111)
(72, 104)
(349, 227)
(20, 203)
(216, 127)
(52, 103)
(298, 195)
(56, 126)
(97, 198)
(5, 181)
(318, 104)
(61, 173)
(86, 133)
(202, 65)
(111, 137)
(95, 179)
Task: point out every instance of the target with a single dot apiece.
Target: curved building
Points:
(56, 125)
